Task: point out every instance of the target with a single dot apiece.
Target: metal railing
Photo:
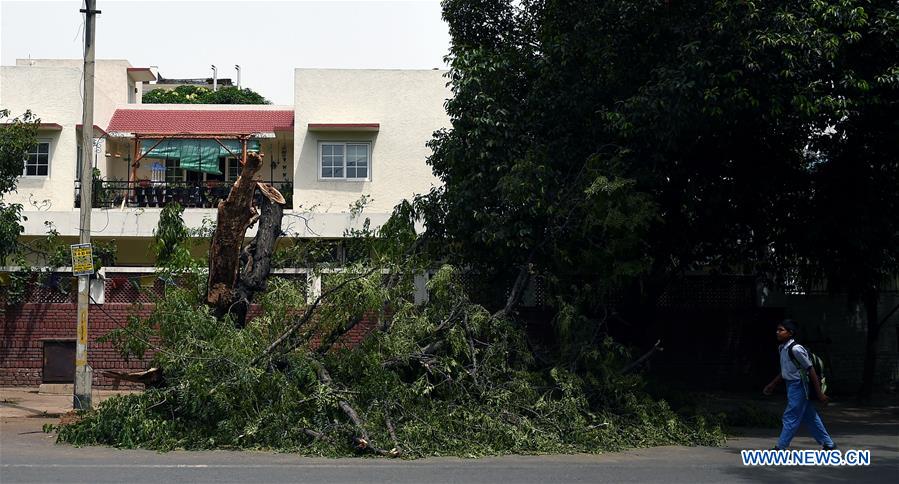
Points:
(149, 194)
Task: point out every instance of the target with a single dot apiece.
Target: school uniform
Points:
(799, 408)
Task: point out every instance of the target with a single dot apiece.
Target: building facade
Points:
(349, 134)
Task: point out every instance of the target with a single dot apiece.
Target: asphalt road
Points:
(29, 456)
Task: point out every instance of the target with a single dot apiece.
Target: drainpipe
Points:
(238, 75)
(215, 78)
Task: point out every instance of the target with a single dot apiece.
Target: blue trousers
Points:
(800, 410)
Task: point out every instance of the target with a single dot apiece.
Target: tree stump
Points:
(235, 215)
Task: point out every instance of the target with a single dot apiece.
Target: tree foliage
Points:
(630, 137)
(189, 94)
(17, 136)
(448, 378)
(619, 143)
(170, 237)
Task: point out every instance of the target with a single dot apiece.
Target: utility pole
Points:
(83, 373)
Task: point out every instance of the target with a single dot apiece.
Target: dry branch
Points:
(643, 358)
(332, 338)
(362, 441)
(151, 378)
(307, 315)
(516, 293)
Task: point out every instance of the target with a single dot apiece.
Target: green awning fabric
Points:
(195, 154)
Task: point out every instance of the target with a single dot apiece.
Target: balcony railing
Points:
(147, 194)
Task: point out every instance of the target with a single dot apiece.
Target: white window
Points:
(344, 160)
(37, 162)
(232, 169)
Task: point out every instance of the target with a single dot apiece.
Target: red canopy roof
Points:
(200, 121)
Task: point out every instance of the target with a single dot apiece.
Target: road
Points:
(29, 456)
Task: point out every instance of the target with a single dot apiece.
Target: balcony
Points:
(150, 194)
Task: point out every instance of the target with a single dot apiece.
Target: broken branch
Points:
(643, 358)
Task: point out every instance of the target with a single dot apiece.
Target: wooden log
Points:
(152, 378)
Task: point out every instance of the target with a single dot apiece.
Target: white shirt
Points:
(788, 370)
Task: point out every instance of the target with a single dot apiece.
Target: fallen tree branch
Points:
(643, 358)
(307, 315)
(392, 432)
(332, 338)
(516, 293)
(362, 441)
(314, 434)
(383, 323)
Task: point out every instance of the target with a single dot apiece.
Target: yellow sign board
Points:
(82, 259)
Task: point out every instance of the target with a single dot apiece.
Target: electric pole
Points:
(83, 373)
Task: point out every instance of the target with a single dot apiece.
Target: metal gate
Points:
(59, 362)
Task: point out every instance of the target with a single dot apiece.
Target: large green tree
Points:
(618, 143)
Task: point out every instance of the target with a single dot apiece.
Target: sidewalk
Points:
(28, 402)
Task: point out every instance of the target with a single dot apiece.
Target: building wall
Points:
(51, 88)
(52, 94)
(408, 105)
(25, 328)
(111, 83)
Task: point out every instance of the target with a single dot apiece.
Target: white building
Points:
(350, 133)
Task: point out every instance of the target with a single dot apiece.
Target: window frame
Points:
(344, 143)
(178, 171)
(227, 171)
(39, 142)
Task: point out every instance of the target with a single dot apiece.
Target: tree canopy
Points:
(613, 144)
(628, 139)
(189, 94)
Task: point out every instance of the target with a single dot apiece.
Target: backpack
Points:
(817, 364)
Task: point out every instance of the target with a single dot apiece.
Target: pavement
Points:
(28, 455)
(31, 402)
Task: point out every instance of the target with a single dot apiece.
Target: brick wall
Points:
(25, 327)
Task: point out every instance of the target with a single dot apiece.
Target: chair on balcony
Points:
(195, 196)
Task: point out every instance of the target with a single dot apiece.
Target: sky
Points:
(268, 39)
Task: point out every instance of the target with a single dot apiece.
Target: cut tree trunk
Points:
(256, 259)
(235, 215)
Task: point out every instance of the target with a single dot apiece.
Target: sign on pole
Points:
(82, 259)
